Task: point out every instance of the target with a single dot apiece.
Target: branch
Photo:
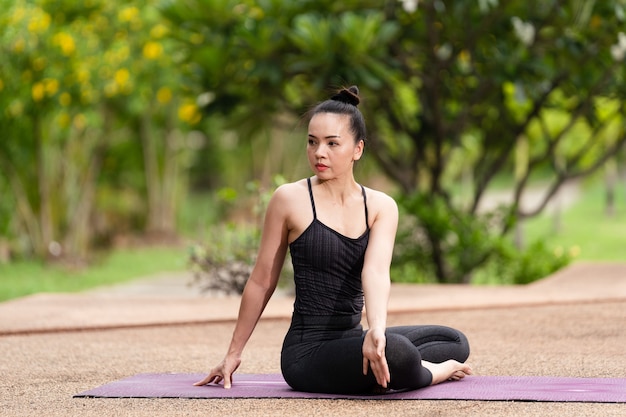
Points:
(432, 93)
(561, 179)
(391, 166)
(495, 166)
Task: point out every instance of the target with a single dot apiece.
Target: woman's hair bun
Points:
(348, 95)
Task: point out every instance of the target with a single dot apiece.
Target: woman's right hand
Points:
(222, 372)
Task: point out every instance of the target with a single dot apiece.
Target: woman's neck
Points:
(339, 190)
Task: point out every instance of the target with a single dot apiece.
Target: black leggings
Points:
(324, 354)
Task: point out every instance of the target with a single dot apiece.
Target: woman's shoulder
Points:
(379, 199)
(288, 189)
(291, 191)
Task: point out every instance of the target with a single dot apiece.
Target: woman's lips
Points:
(321, 167)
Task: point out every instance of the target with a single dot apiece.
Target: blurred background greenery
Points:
(136, 135)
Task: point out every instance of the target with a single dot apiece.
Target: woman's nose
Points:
(320, 150)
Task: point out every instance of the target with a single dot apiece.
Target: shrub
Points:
(471, 247)
(225, 262)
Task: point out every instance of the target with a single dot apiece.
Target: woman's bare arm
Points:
(258, 289)
(376, 285)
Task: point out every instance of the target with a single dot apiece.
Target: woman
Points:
(340, 236)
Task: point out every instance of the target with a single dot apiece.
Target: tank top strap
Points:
(308, 180)
(367, 223)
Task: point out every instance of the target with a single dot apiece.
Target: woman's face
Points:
(331, 148)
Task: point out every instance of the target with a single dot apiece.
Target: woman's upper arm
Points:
(273, 246)
(382, 236)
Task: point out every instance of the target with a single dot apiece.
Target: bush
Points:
(448, 244)
(471, 247)
(513, 266)
(225, 262)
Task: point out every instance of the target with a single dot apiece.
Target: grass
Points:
(23, 278)
(585, 230)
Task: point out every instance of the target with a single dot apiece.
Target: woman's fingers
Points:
(227, 381)
(374, 357)
(380, 368)
(208, 379)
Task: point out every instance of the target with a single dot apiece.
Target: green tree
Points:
(487, 77)
(92, 111)
(454, 90)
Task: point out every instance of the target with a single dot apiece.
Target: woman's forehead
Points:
(327, 124)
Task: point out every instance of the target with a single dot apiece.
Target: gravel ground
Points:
(56, 345)
(42, 371)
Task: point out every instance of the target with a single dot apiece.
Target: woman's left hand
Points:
(374, 356)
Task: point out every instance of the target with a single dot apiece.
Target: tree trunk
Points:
(79, 236)
(610, 182)
(45, 208)
(161, 184)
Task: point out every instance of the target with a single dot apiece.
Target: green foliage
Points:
(465, 241)
(510, 265)
(225, 258)
(225, 261)
(102, 102)
(91, 100)
(454, 91)
(469, 247)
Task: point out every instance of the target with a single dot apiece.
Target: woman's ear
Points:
(358, 150)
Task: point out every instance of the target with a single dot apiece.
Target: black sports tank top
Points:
(327, 268)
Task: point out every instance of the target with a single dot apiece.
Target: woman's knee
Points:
(401, 353)
(405, 364)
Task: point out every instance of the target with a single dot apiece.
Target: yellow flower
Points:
(87, 94)
(64, 120)
(122, 77)
(256, 13)
(128, 14)
(158, 31)
(65, 99)
(464, 56)
(164, 95)
(39, 23)
(152, 50)
(66, 42)
(82, 75)
(51, 85)
(38, 91)
(18, 14)
(189, 113)
(19, 45)
(111, 89)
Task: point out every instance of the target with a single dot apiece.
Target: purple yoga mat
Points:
(488, 388)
